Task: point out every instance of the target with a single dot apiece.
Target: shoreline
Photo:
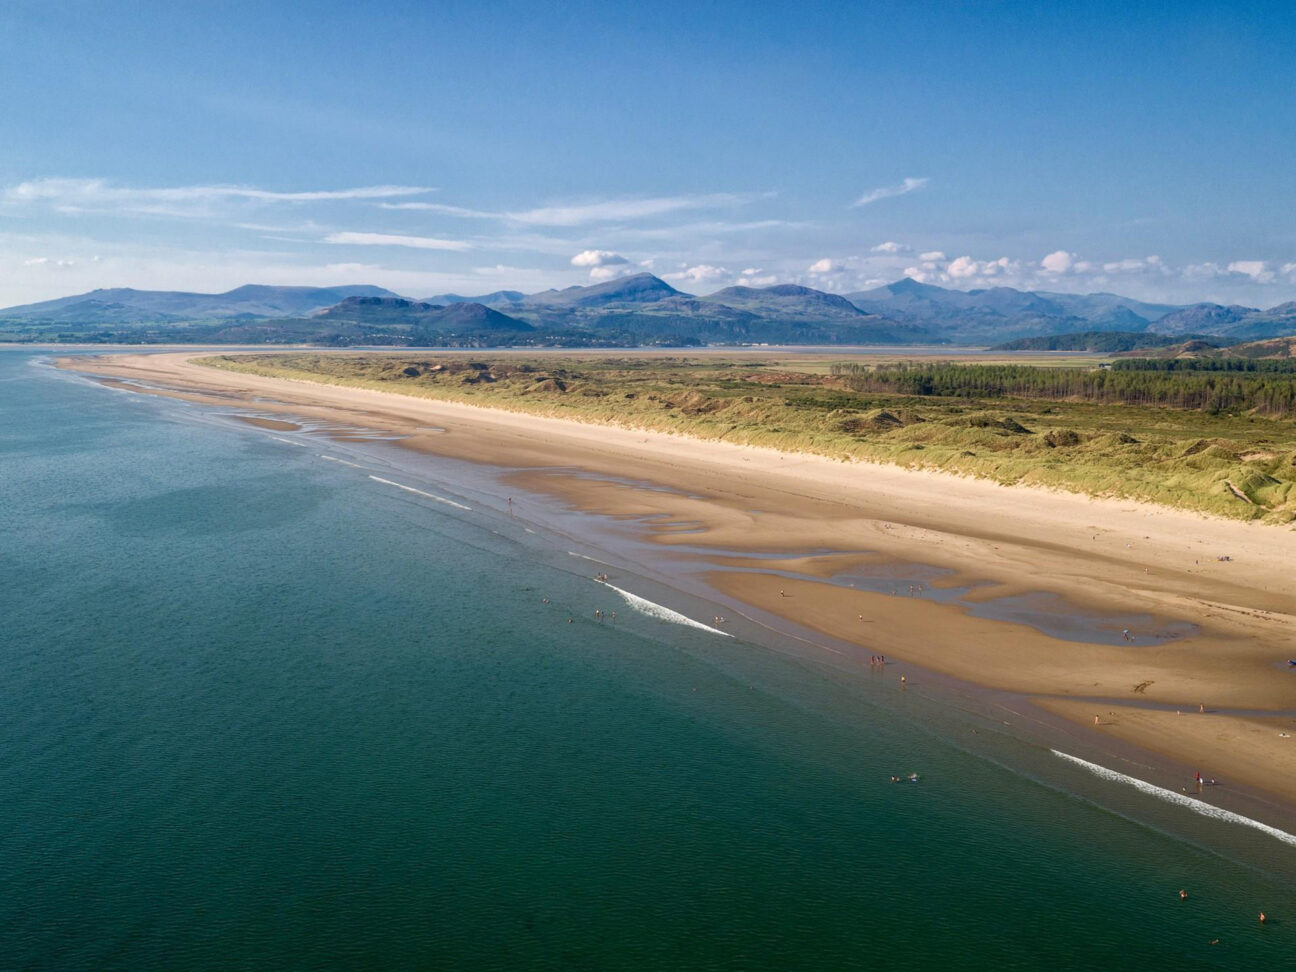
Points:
(801, 524)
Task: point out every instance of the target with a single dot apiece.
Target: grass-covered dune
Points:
(1234, 463)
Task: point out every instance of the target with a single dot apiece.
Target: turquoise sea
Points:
(260, 710)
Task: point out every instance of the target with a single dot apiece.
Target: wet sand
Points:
(1229, 749)
(822, 519)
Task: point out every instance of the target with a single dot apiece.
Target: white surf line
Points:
(431, 496)
(300, 445)
(594, 560)
(353, 465)
(1170, 796)
(653, 610)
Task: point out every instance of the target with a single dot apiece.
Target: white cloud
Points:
(702, 273)
(1134, 265)
(754, 277)
(890, 247)
(600, 274)
(388, 239)
(1059, 261)
(963, 266)
(1257, 270)
(932, 256)
(966, 268)
(59, 264)
(597, 258)
(886, 192)
(826, 266)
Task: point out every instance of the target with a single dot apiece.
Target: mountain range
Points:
(637, 309)
(125, 306)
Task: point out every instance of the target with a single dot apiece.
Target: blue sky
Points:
(432, 147)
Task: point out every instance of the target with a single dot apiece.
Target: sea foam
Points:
(419, 492)
(1179, 799)
(653, 610)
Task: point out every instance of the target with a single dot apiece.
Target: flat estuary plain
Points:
(290, 692)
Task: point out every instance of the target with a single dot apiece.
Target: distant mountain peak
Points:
(639, 288)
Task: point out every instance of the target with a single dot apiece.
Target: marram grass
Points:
(1235, 465)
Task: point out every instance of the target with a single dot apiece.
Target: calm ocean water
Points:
(259, 710)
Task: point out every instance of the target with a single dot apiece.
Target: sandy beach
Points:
(1209, 604)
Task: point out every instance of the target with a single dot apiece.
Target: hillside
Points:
(1271, 348)
(997, 314)
(422, 317)
(496, 297)
(644, 309)
(642, 288)
(126, 306)
(1107, 342)
(789, 302)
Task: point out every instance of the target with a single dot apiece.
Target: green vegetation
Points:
(1210, 385)
(1011, 424)
(1267, 366)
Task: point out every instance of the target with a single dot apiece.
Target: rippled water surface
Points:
(262, 710)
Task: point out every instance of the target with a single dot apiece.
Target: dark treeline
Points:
(1266, 393)
(1266, 366)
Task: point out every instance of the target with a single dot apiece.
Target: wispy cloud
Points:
(388, 239)
(887, 192)
(585, 213)
(80, 195)
(614, 210)
(426, 207)
(703, 229)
